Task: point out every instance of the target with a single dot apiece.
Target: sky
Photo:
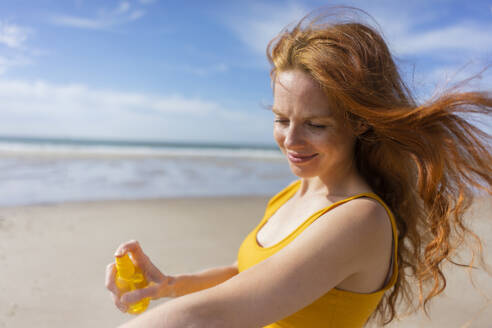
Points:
(196, 71)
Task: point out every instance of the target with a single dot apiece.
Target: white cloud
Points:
(122, 8)
(136, 15)
(8, 62)
(45, 109)
(103, 19)
(13, 35)
(448, 54)
(262, 22)
(464, 36)
(407, 28)
(79, 22)
(444, 77)
(400, 23)
(77, 98)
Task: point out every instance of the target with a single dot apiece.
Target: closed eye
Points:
(281, 121)
(317, 126)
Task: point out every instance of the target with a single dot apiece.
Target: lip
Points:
(298, 158)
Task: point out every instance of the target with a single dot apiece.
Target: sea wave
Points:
(42, 172)
(77, 148)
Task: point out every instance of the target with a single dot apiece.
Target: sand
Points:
(53, 257)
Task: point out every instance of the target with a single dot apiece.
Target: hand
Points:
(159, 286)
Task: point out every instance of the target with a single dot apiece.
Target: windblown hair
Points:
(425, 161)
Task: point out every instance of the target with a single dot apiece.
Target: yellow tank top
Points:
(336, 308)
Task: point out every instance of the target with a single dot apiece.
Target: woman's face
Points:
(313, 142)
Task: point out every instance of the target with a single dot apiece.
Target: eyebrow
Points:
(307, 118)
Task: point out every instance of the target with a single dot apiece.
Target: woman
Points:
(383, 187)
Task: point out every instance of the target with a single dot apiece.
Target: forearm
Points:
(167, 315)
(195, 310)
(189, 310)
(190, 283)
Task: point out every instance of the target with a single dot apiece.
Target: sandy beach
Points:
(53, 257)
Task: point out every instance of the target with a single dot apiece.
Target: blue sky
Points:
(195, 70)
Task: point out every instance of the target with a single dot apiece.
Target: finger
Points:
(120, 305)
(152, 273)
(110, 279)
(131, 246)
(111, 286)
(139, 294)
(141, 260)
(137, 255)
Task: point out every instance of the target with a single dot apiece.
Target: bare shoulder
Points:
(364, 211)
(365, 222)
(363, 216)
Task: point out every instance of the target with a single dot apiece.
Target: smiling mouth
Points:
(300, 158)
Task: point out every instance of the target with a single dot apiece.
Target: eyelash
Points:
(317, 126)
(310, 124)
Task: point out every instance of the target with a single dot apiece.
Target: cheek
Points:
(321, 139)
(278, 136)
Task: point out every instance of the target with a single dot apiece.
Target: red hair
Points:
(423, 160)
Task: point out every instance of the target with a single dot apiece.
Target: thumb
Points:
(139, 294)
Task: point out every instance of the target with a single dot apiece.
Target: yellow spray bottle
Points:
(128, 278)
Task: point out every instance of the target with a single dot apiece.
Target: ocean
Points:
(50, 171)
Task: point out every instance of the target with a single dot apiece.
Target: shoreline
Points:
(254, 155)
(117, 201)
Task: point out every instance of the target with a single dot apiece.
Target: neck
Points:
(343, 182)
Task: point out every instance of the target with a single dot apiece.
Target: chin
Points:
(302, 173)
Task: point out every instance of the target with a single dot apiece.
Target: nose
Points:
(294, 137)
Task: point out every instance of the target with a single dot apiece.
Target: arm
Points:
(161, 285)
(308, 267)
(190, 283)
